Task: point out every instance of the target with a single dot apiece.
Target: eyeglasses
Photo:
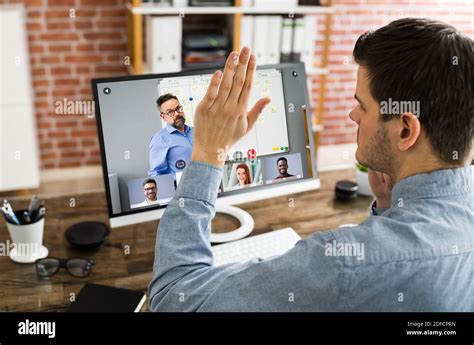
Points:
(149, 189)
(77, 267)
(178, 110)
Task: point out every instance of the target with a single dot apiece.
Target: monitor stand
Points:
(246, 224)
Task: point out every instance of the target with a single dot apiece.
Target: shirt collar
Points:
(171, 129)
(444, 182)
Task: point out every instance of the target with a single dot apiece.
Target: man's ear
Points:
(409, 129)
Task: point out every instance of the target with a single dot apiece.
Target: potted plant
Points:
(362, 179)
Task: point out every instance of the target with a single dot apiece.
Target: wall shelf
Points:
(161, 10)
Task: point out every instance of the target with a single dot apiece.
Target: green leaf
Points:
(362, 168)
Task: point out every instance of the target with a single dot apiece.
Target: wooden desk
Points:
(22, 290)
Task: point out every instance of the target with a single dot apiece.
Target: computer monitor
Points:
(143, 158)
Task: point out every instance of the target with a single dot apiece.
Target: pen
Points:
(41, 213)
(32, 205)
(26, 217)
(8, 208)
(6, 215)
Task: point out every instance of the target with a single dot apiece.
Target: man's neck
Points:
(422, 167)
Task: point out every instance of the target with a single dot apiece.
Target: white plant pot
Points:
(362, 179)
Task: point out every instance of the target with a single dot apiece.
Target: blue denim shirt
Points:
(168, 146)
(417, 256)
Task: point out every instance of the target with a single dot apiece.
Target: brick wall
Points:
(66, 52)
(70, 42)
(353, 18)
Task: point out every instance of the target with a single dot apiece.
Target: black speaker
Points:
(346, 190)
(87, 235)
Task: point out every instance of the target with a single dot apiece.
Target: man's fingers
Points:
(256, 110)
(211, 92)
(240, 76)
(247, 88)
(227, 79)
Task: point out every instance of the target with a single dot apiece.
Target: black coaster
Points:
(87, 235)
(346, 190)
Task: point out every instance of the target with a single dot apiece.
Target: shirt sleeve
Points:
(184, 278)
(158, 156)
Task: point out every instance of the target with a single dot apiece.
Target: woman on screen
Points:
(243, 175)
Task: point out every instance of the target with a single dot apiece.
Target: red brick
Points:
(32, 2)
(57, 134)
(59, 36)
(61, 2)
(60, 48)
(50, 59)
(83, 133)
(70, 154)
(113, 12)
(40, 83)
(83, 13)
(110, 69)
(69, 164)
(41, 105)
(102, 2)
(89, 142)
(47, 155)
(61, 70)
(85, 47)
(33, 14)
(66, 144)
(63, 25)
(83, 24)
(63, 93)
(105, 24)
(60, 82)
(85, 59)
(102, 35)
(43, 124)
(113, 46)
(93, 161)
(34, 26)
(54, 14)
(34, 49)
(83, 69)
(41, 94)
(46, 146)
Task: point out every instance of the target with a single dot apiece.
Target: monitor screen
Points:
(146, 146)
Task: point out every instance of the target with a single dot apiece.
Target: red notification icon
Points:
(251, 153)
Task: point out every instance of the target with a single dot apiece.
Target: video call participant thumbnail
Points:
(150, 190)
(282, 166)
(171, 147)
(243, 176)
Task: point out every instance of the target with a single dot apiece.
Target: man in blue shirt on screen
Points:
(171, 147)
(415, 118)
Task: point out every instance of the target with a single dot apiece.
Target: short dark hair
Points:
(166, 97)
(282, 159)
(427, 61)
(149, 180)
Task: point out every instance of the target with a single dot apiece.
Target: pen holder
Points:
(27, 239)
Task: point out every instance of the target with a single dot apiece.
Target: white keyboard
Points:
(262, 246)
